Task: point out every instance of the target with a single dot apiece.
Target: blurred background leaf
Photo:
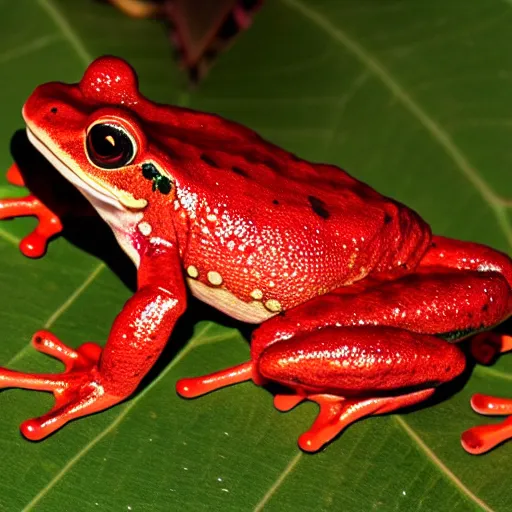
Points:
(412, 97)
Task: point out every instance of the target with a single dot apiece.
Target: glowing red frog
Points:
(358, 301)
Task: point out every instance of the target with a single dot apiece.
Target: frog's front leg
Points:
(49, 223)
(95, 379)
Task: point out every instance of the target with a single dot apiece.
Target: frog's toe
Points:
(481, 439)
(491, 405)
(286, 403)
(14, 176)
(85, 357)
(75, 361)
(198, 386)
(82, 397)
(78, 390)
(35, 244)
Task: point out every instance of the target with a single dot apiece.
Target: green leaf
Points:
(412, 97)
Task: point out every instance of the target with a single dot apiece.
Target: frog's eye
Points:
(109, 146)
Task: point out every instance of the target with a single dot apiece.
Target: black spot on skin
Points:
(208, 160)
(387, 219)
(149, 171)
(53, 110)
(319, 207)
(485, 307)
(237, 170)
(271, 164)
(160, 182)
(275, 201)
(163, 185)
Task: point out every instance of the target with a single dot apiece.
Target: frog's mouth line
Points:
(122, 220)
(91, 192)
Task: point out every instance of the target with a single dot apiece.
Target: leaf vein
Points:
(273, 488)
(9, 237)
(61, 310)
(54, 13)
(441, 465)
(28, 48)
(493, 372)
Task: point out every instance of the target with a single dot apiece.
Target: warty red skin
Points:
(353, 292)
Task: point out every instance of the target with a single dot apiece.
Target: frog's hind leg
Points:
(14, 176)
(355, 372)
(485, 346)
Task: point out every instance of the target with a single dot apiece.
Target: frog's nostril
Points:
(53, 110)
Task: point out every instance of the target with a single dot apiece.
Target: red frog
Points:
(358, 302)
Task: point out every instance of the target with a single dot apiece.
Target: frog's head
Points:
(93, 133)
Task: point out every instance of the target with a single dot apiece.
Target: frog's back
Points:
(213, 152)
(216, 149)
(256, 206)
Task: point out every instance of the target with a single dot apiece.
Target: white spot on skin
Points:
(488, 267)
(214, 278)
(145, 228)
(257, 294)
(273, 305)
(252, 312)
(192, 271)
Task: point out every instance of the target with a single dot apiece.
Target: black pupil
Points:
(109, 146)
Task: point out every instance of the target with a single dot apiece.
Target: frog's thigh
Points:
(446, 304)
(361, 361)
